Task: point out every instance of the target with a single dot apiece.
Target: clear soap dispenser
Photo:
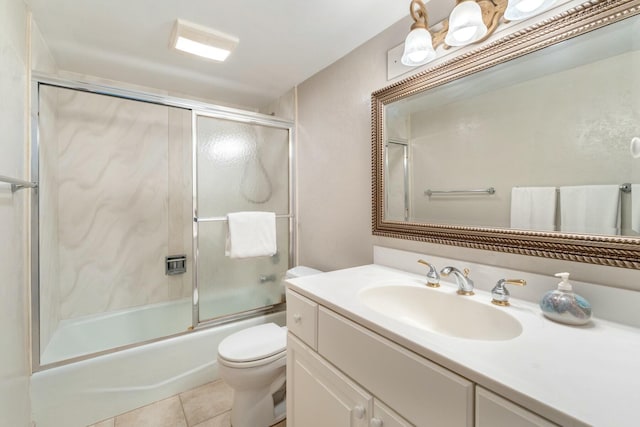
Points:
(564, 306)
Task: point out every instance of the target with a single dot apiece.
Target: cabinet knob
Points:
(297, 318)
(376, 422)
(359, 412)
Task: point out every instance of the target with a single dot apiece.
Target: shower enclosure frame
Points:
(197, 109)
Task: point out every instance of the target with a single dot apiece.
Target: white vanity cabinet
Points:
(342, 374)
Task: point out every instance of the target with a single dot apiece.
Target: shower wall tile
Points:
(114, 204)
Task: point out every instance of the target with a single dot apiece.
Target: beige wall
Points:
(14, 324)
(334, 156)
(334, 167)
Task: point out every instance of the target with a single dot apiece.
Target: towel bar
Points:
(224, 218)
(17, 184)
(489, 190)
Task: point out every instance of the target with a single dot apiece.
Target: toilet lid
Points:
(257, 342)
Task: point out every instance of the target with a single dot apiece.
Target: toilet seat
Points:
(260, 362)
(258, 345)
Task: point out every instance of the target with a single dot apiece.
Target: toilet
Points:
(253, 362)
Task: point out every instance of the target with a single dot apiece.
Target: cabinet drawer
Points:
(495, 411)
(424, 393)
(302, 318)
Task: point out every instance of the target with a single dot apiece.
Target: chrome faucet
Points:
(433, 278)
(465, 285)
(500, 294)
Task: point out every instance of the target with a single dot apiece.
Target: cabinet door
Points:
(383, 416)
(320, 396)
(495, 411)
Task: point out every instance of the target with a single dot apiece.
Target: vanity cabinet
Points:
(342, 374)
(495, 411)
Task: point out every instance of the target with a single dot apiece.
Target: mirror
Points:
(529, 144)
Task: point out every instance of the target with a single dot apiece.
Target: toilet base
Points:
(251, 409)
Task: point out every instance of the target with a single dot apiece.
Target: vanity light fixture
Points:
(202, 41)
(470, 21)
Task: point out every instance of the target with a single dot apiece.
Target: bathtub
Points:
(88, 391)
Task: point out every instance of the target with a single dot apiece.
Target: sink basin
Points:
(442, 313)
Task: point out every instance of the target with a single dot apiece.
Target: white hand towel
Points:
(533, 208)
(635, 207)
(251, 234)
(591, 209)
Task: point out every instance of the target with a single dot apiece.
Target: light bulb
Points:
(418, 48)
(465, 24)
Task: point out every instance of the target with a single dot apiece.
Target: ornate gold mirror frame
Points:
(603, 250)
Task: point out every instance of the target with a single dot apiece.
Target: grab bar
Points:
(489, 190)
(17, 184)
(224, 218)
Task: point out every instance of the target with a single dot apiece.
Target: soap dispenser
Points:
(564, 306)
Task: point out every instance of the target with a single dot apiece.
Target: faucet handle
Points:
(500, 294)
(433, 278)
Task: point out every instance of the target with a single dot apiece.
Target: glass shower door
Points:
(113, 203)
(240, 167)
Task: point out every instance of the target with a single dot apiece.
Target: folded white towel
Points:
(251, 234)
(533, 208)
(591, 209)
(635, 207)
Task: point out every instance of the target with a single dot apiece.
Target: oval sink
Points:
(446, 314)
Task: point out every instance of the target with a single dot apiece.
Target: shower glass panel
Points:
(240, 167)
(114, 200)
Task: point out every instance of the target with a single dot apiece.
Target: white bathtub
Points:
(88, 391)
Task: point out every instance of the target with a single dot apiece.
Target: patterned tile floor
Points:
(205, 406)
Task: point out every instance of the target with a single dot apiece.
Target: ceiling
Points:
(282, 42)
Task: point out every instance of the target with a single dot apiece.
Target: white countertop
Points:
(572, 375)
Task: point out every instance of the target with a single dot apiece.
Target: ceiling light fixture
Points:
(202, 41)
(471, 21)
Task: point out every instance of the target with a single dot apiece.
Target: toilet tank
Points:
(300, 271)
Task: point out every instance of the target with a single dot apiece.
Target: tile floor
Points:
(205, 406)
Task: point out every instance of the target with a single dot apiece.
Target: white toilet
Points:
(253, 363)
